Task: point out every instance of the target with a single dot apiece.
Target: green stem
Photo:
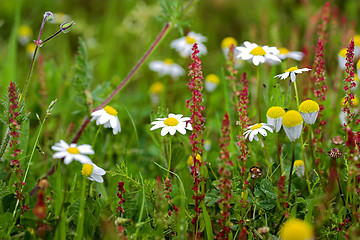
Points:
(169, 158)
(296, 95)
(312, 155)
(80, 223)
(95, 137)
(291, 169)
(267, 156)
(142, 207)
(278, 152)
(258, 92)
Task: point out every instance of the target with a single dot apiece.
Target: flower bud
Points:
(49, 16)
(66, 27)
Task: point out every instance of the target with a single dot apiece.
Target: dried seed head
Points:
(255, 172)
(337, 140)
(43, 183)
(334, 153)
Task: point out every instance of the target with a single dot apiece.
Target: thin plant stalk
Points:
(80, 223)
(169, 157)
(267, 156)
(258, 92)
(278, 152)
(291, 168)
(312, 154)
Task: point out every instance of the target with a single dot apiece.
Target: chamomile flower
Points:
(309, 111)
(292, 73)
(342, 58)
(354, 104)
(184, 45)
(255, 129)
(167, 68)
(258, 54)
(285, 53)
(274, 117)
(24, 34)
(207, 144)
(299, 168)
(93, 172)
(226, 43)
(171, 124)
(296, 229)
(357, 46)
(107, 116)
(30, 49)
(155, 90)
(72, 151)
(293, 123)
(190, 161)
(211, 82)
(358, 67)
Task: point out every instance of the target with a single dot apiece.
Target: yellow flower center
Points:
(168, 61)
(190, 40)
(357, 40)
(30, 48)
(309, 106)
(296, 229)
(171, 122)
(212, 78)
(275, 112)
(110, 110)
(292, 118)
(258, 51)
(228, 41)
(87, 169)
(190, 160)
(291, 69)
(73, 150)
(353, 102)
(24, 31)
(343, 52)
(284, 51)
(298, 163)
(256, 126)
(156, 88)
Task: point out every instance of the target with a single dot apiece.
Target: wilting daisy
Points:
(155, 90)
(190, 161)
(107, 116)
(184, 45)
(274, 117)
(226, 43)
(93, 172)
(167, 68)
(342, 58)
(293, 123)
(299, 168)
(354, 104)
(255, 129)
(286, 53)
(211, 82)
(30, 49)
(171, 124)
(309, 111)
(72, 151)
(292, 73)
(296, 229)
(24, 34)
(357, 46)
(258, 54)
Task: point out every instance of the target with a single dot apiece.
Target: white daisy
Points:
(342, 58)
(72, 151)
(299, 168)
(274, 117)
(258, 54)
(107, 116)
(226, 43)
(211, 82)
(24, 34)
(293, 124)
(167, 68)
(171, 124)
(255, 129)
(93, 172)
(309, 111)
(184, 45)
(286, 53)
(292, 73)
(357, 46)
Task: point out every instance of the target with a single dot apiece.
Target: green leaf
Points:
(266, 204)
(208, 226)
(4, 190)
(268, 188)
